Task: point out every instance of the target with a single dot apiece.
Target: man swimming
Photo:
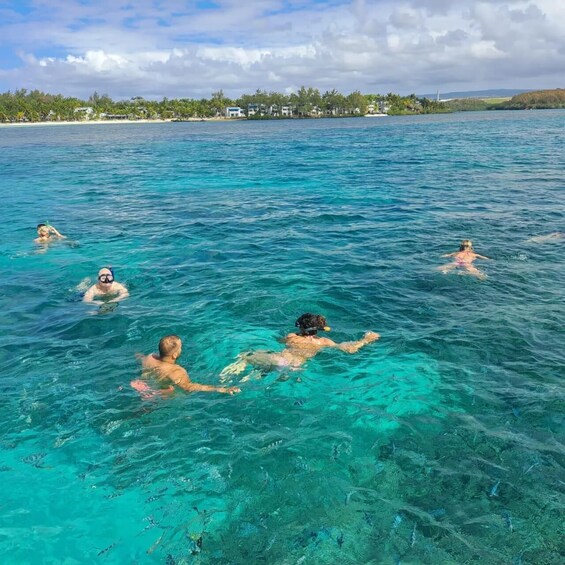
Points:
(164, 368)
(300, 346)
(555, 236)
(47, 234)
(464, 259)
(106, 287)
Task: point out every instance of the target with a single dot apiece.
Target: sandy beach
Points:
(108, 122)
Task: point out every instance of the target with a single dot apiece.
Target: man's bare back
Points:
(164, 373)
(163, 368)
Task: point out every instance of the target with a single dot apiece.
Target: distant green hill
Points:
(537, 100)
(467, 105)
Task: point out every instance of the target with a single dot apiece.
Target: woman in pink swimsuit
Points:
(463, 259)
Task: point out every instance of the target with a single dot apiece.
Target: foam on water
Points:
(441, 443)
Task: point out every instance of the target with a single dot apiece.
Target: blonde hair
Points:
(169, 344)
(466, 244)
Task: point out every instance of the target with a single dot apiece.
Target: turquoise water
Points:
(441, 443)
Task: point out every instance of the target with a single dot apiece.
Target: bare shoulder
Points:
(291, 337)
(325, 342)
(119, 288)
(177, 374)
(150, 361)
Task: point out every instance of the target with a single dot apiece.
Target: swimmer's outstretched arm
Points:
(450, 254)
(355, 346)
(481, 256)
(181, 379)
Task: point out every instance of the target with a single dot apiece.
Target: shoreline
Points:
(157, 121)
(106, 122)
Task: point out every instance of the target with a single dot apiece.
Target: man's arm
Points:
(180, 378)
(90, 294)
(55, 232)
(355, 346)
(122, 292)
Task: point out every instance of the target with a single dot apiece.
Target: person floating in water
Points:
(167, 373)
(105, 288)
(47, 234)
(555, 236)
(300, 346)
(463, 259)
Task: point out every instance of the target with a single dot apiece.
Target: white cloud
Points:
(139, 48)
(486, 50)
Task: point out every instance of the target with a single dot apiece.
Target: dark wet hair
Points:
(466, 244)
(41, 226)
(309, 324)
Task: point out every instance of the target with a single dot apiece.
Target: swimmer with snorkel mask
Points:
(47, 233)
(106, 289)
(300, 346)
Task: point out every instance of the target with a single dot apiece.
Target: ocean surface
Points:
(441, 443)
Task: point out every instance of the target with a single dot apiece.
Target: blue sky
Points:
(175, 48)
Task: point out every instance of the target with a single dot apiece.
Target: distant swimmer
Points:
(555, 236)
(167, 373)
(106, 289)
(300, 346)
(463, 259)
(47, 234)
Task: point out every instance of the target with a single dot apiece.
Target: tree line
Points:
(537, 100)
(37, 106)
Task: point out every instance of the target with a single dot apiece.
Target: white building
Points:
(86, 112)
(234, 112)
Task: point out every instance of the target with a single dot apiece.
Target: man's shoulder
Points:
(325, 341)
(178, 372)
(169, 370)
(150, 360)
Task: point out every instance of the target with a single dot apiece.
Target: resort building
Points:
(86, 112)
(378, 107)
(234, 112)
(253, 109)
